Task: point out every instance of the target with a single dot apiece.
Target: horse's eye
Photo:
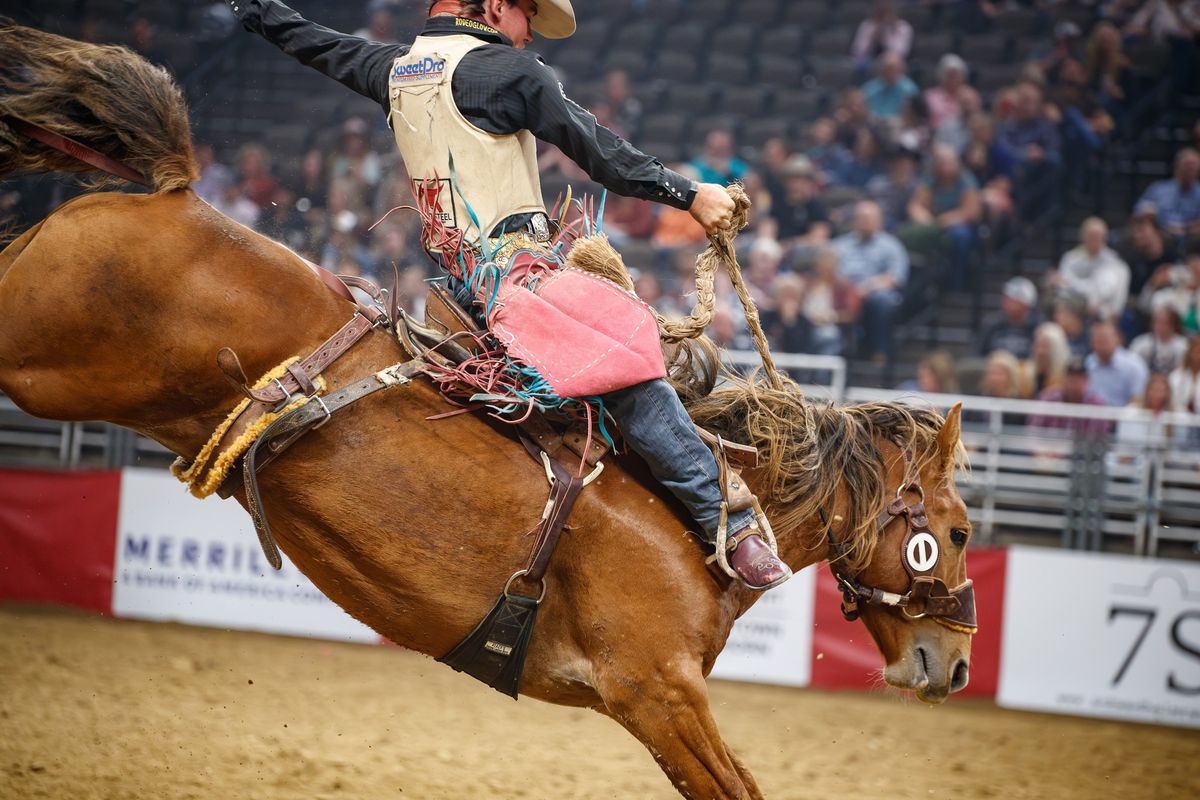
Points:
(958, 536)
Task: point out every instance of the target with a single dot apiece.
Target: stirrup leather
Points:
(736, 497)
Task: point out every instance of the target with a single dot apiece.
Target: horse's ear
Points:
(947, 439)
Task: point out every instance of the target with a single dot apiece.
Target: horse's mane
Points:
(105, 96)
(806, 449)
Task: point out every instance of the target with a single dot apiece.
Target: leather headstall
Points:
(927, 595)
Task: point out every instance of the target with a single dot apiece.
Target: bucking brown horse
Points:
(114, 308)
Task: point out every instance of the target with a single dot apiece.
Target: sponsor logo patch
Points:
(427, 69)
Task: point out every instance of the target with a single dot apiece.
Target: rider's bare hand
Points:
(712, 207)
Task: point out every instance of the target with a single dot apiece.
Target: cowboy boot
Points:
(756, 564)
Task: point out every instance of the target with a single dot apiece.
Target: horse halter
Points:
(926, 596)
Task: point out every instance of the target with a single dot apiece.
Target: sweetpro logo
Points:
(427, 67)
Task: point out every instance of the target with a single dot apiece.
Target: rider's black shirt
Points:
(498, 87)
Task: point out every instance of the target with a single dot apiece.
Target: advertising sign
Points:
(198, 561)
(772, 642)
(1100, 635)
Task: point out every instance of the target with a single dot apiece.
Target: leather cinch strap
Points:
(291, 426)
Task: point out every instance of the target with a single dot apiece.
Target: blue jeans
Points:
(656, 426)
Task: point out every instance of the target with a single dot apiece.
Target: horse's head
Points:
(921, 610)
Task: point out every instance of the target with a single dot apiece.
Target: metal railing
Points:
(1095, 476)
(1088, 477)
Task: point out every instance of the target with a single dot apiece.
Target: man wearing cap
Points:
(466, 102)
(1011, 329)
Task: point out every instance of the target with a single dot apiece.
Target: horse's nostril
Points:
(961, 675)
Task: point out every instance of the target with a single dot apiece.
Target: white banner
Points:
(772, 642)
(198, 561)
(1102, 635)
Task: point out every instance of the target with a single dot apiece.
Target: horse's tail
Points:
(104, 96)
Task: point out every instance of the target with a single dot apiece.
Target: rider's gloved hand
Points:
(248, 12)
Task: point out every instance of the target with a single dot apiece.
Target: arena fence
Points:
(1083, 477)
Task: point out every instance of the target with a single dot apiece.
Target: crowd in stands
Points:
(910, 177)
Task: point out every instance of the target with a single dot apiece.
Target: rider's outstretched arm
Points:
(357, 63)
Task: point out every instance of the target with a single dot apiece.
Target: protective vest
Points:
(495, 176)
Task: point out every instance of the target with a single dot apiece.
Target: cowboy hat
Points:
(555, 19)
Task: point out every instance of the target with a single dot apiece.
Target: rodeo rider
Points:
(499, 97)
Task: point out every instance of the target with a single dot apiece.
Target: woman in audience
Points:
(1048, 361)
(1164, 346)
(1002, 377)
(1185, 380)
(935, 375)
(1141, 431)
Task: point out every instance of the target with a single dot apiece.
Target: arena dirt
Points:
(96, 708)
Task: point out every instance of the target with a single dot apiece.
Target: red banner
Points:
(844, 657)
(57, 537)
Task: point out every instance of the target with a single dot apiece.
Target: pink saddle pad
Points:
(584, 335)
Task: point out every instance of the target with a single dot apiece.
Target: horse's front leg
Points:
(667, 710)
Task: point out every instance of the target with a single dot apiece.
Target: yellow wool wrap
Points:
(202, 477)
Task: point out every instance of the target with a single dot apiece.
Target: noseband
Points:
(926, 596)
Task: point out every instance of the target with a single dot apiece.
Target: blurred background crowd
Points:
(955, 195)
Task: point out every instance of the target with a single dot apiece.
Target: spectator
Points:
(1146, 249)
(885, 95)
(1048, 362)
(1002, 377)
(1070, 314)
(765, 257)
(986, 161)
(1106, 67)
(143, 37)
(282, 222)
(1164, 345)
(894, 189)
(829, 302)
(851, 115)
(214, 178)
(311, 188)
(1114, 373)
(381, 26)
(1031, 144)
(935, 375)
(1162, 20)
(1074, 389)
(624, 111)
(864, 164)
(949, 101)
(1136, 433)
(876, 264)
(257, 183)
(1178, 287)
(648, 287)
(344, 245)
(1086, 123)
(354, 161)
(675, 227)
(390, 251)
(233, 204)
(718, 164)
(1176, 200)
(799, 211)
(1185, 380)
(1094, 272)
(772, 161)
(1012, 328)
(825, 151)
(912, 129)
(944, 210)
(882, 32)
(628, 218)
(786, 326)
(1064, 50)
